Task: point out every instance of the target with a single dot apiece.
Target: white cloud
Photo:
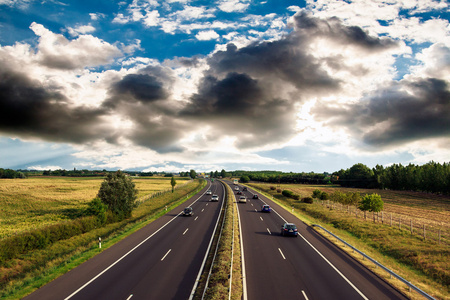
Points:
(44, 168)
(55, 51)
(82, 29)
(233, 5)
(207, 35)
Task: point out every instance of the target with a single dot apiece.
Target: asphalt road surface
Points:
(302, 267)
(160, 261)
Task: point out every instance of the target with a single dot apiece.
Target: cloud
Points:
(207, 35)
(233, 5)
(55, 51)
(403, 112)
(29, 110)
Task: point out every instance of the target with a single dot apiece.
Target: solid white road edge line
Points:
(126, 254)
(166, 254)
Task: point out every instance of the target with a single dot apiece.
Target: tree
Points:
(118, 191)
(193, 174)
(223, 173)
(372, 203)
(173, 183)
(244, 179)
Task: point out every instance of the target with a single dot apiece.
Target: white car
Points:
(236, 188)
(242, 199)
(215, 198)
(208, 192)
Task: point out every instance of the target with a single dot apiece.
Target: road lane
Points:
(163, 267)
(280, 267)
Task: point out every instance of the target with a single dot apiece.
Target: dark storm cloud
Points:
(143, 99)
(404, 112)
(252, 92)
(332, 28)
(29, 110)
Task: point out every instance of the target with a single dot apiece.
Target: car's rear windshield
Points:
(291, 227)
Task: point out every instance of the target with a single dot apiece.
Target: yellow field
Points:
(39, 201)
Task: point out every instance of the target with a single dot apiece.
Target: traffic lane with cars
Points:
(144, 269)
(326, 271)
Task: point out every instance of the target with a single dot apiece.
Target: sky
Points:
(294, 86)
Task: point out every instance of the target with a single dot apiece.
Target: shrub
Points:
(316, 193)
(324, 196)
(273, 188)
(279, 190)
(296, 196)
(309, 200)
(287, 193)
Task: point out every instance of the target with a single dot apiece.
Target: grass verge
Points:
(228, 259)
(423, 263)
(23, 275)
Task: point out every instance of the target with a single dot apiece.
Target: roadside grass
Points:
(424, 263)
(24, 274)
(27, 204)
(228, 259)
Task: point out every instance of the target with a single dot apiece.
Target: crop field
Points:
(35, 202)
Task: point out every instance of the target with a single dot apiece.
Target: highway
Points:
(160, 261)
(302, 267)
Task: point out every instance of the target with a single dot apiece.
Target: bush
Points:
(287, 193)
(273, 188)
(278, 190)
(324, 196)
(316, 193)
(309, 200)
(296, 196)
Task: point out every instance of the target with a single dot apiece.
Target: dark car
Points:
(255, 196)
(245, 188)
(265, 208)
(188, 211)
(289, 229)
(239, 193)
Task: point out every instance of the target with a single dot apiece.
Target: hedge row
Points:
(290, 194)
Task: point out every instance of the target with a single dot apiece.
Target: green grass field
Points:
(31, 203)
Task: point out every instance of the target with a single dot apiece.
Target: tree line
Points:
(431, 177)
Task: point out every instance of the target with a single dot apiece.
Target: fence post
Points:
(391, 219)
(439, 235)
(399, 223)
(382, 218)
(424, 236)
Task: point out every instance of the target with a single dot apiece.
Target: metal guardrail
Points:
(411, 286)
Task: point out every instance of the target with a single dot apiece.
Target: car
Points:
(255, 196)
(236, 188)
(245, 188)
(289, 229)
(265, 208)
(188, 211)
(242, 199)
(214, 198)
(239, 193)
(208, 192)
